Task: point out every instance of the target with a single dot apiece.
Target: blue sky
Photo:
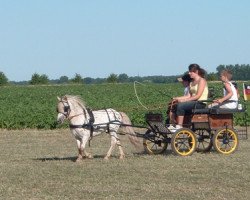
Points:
(95, 38)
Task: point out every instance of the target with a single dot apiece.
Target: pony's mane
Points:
(76, 99)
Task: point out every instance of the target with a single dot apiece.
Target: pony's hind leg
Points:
(122, 155)
(114, 140)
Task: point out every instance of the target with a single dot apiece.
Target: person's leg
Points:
(180, 120)
(182, 109)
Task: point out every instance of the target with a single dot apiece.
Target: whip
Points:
(137, 95)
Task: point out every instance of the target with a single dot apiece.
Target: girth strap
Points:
(89, 125)
(91, 122)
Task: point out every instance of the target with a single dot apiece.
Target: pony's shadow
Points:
(73, 158)
(56, 159)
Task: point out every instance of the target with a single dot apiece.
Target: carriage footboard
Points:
(156, 122)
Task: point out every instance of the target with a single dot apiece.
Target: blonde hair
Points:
(227, 73)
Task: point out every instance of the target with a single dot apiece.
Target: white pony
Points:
(85, 124)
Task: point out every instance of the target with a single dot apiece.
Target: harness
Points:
(88, 125)
(88, 114)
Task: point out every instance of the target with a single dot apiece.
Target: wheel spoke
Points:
(183, 142)
(204, 140)
(154, 143)
(225, 141)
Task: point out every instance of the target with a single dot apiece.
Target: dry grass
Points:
(39, 165)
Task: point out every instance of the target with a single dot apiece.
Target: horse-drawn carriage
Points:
(202, 130)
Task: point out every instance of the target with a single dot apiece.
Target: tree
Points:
(240, 72)
(3, 79)
(44, 79)
(77, 79)
(122, 78)
(212, 76)
(220, 68)
(37, 79)
(88, 80)
(63, 79)
(113, 78)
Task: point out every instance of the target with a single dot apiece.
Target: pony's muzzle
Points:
(60, 118)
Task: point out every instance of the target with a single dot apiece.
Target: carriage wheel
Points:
(225, 140)
(183, 142)
(204, 140)
(154, 143)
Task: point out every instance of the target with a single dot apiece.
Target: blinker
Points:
(66, 108)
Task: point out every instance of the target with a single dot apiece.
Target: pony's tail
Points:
(128, 129)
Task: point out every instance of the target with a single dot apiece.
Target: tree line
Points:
(240, 72)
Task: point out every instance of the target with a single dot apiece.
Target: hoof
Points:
(78, 159)
(106, 158)
(89, 156)
(122, 157)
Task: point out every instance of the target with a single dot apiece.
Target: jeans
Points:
(184, 108)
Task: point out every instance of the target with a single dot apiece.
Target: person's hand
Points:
(182, 100)
(219, 101)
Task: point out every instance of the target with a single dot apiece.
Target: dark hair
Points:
(196, 67)
(186, 77)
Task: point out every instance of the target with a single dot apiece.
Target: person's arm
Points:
(227, 96)
(201, 86)
(182, 98)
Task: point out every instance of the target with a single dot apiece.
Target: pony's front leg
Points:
(80, 150)
(81, 144)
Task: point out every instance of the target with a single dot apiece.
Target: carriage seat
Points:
(201, 111)
(225, 110)
(217, 111)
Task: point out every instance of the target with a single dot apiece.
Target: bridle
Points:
(66, 108)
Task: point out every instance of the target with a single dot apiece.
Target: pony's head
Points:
(63, 109)
(68, 106)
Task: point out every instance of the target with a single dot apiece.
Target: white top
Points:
(186, 91)
(234, 97)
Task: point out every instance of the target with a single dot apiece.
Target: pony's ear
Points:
(58, 98)
(65, 98)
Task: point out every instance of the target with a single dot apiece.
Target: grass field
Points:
(39, 165)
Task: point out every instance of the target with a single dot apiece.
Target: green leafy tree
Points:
(37, 79)
(122, 78)
(44, 79)
(3, 79)
(63, 79)
(212, 76)
(113, 78)
(88, 80)
(77, 79)
(240, 72)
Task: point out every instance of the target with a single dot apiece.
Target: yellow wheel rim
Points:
(155, 145)
(184, 142)
(226, 141)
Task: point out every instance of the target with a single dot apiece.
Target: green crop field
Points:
(23, 107)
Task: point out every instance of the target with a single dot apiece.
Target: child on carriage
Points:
(185, 80)
(230, 94)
